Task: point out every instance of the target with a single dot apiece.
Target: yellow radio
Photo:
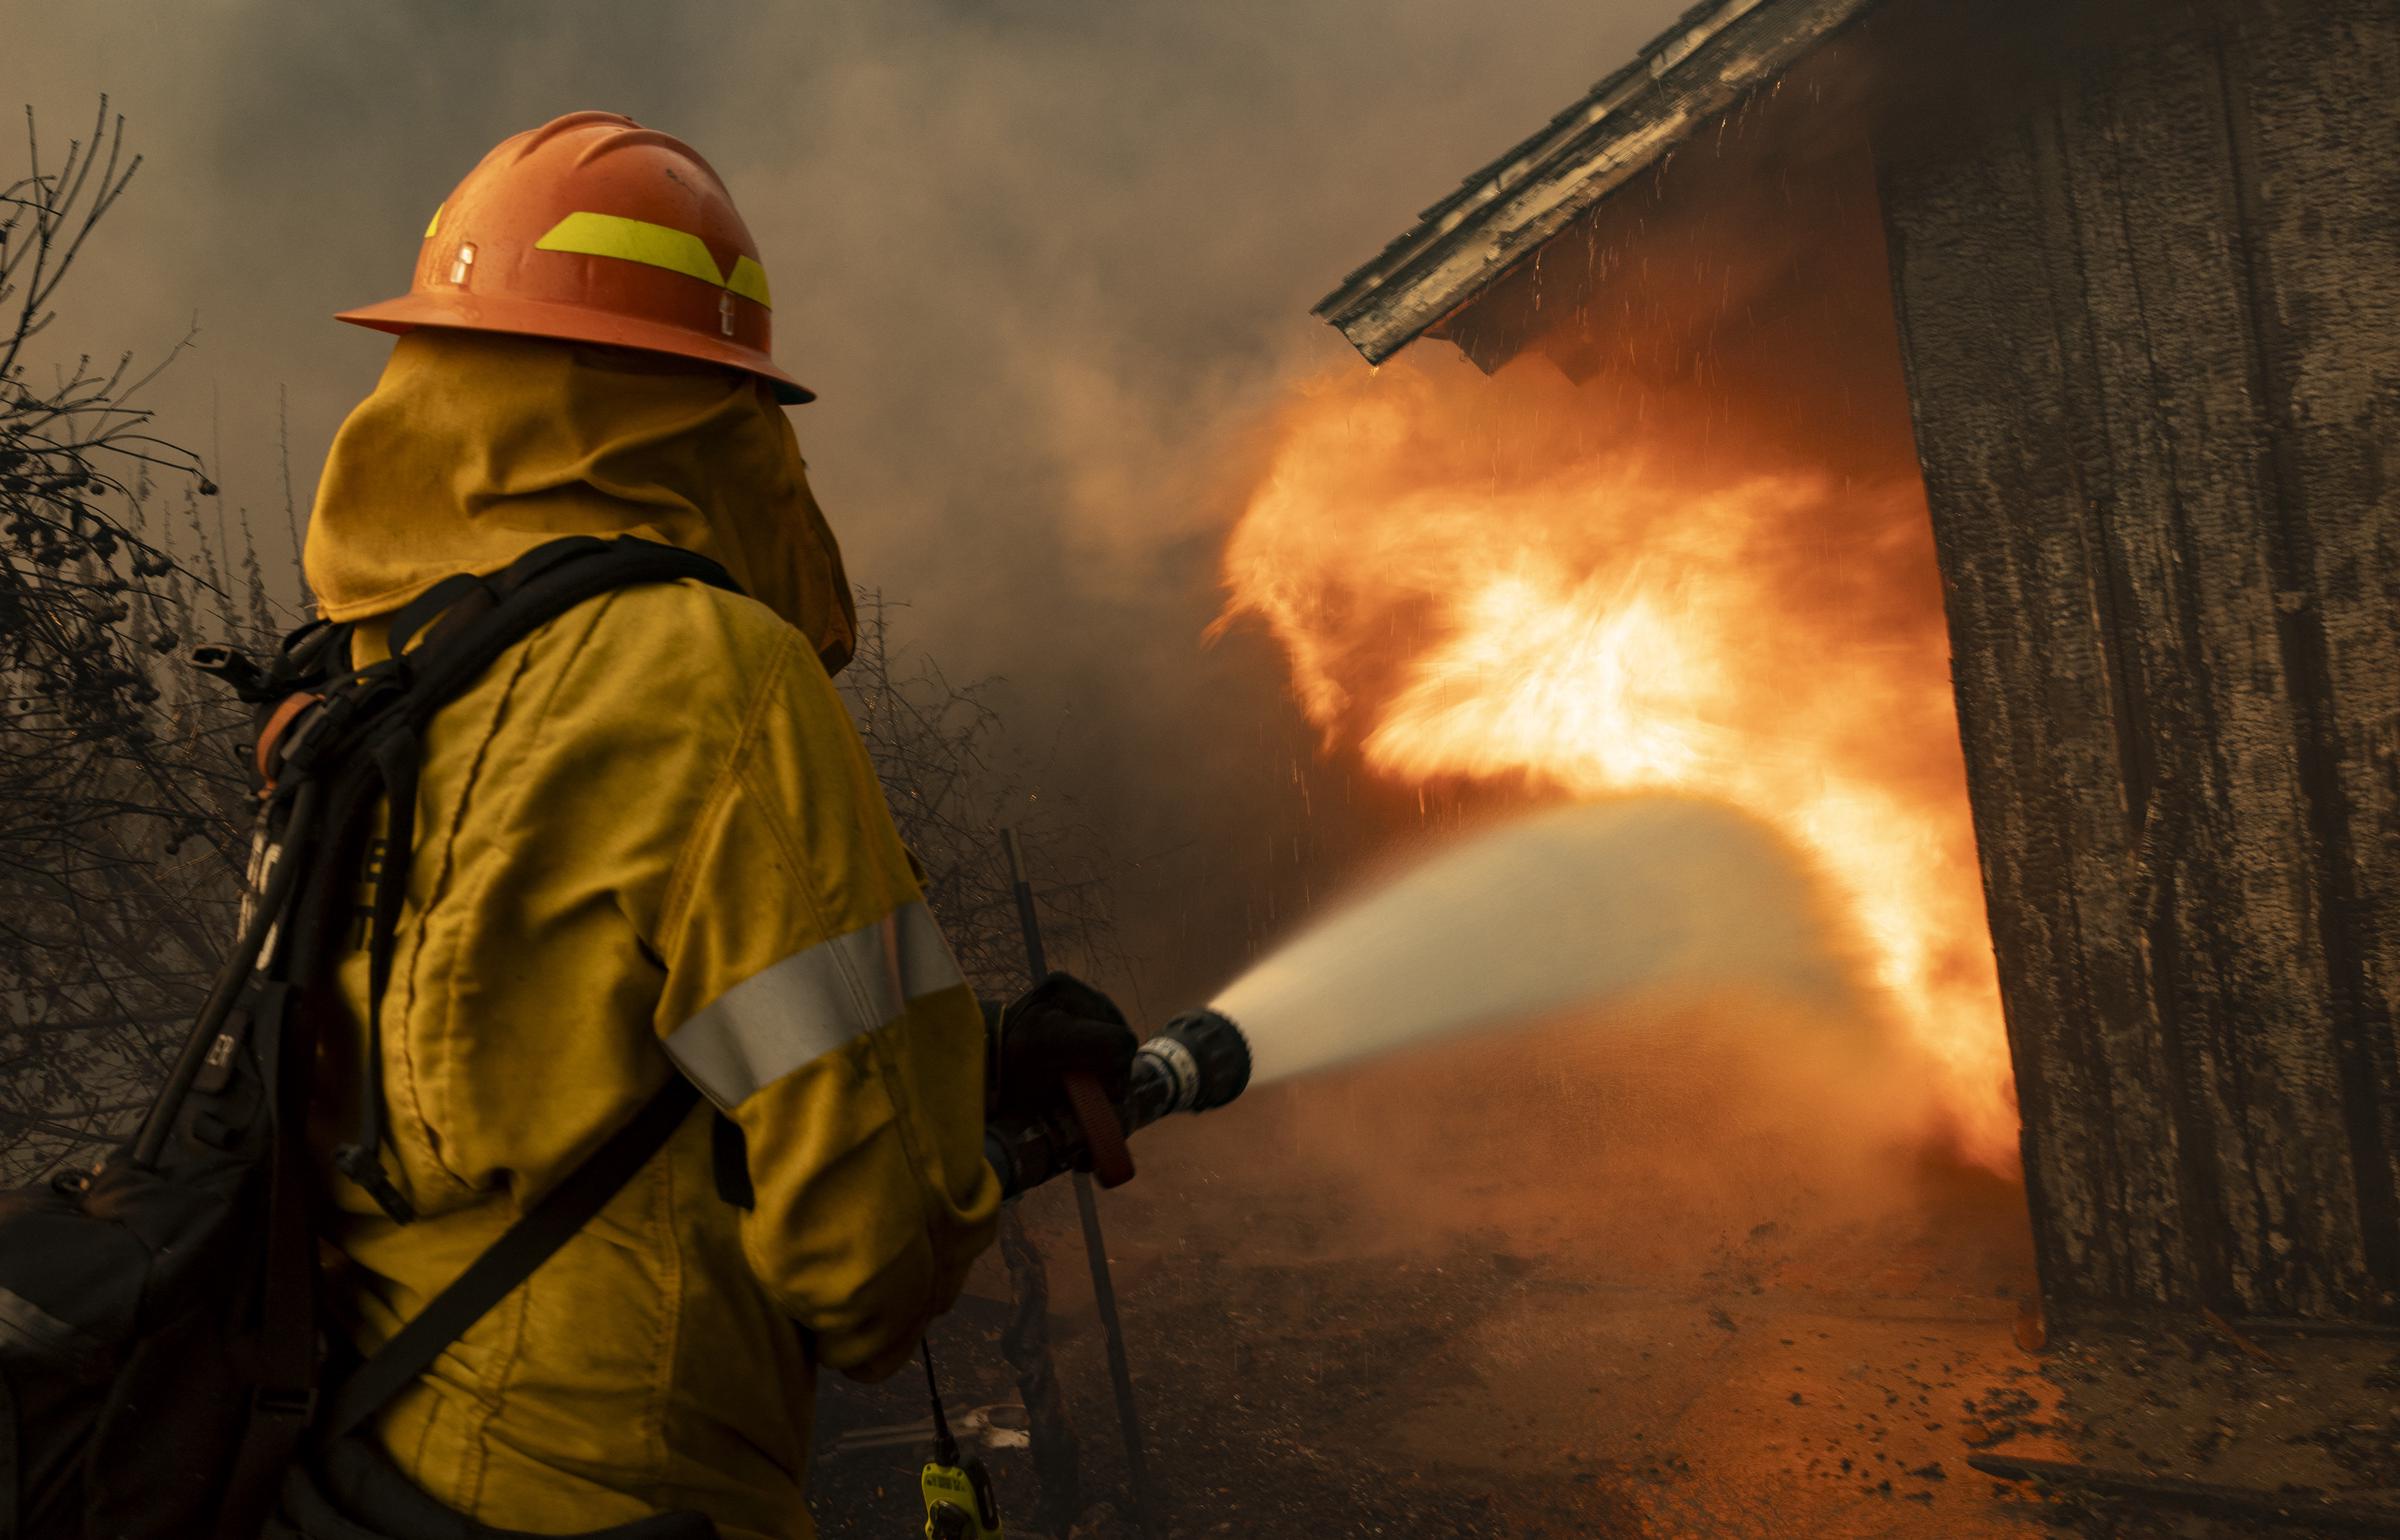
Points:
(958, 1494)
(958, 1500)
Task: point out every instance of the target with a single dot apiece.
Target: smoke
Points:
(1041, 259)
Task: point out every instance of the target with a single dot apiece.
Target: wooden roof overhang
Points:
(1704, 65)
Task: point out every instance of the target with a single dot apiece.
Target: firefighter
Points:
(648, 841)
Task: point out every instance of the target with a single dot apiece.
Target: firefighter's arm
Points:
(812, 998)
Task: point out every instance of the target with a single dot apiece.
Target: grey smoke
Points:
(1044, 261)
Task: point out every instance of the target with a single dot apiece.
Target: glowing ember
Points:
(1517, 580)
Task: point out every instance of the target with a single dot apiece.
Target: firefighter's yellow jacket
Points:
(648, 839)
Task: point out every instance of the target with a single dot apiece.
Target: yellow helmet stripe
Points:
(635, 240)
(749, 280)
(435, 220)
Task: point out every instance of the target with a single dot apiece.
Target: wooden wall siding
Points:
(2317, 134)
(2148, 314)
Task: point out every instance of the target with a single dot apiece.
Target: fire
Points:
(1518, 580)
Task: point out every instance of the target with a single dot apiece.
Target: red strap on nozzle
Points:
(1103, 1135)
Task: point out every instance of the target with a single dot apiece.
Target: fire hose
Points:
(1199, 1062)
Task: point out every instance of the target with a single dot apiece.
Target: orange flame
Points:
(1515, 579)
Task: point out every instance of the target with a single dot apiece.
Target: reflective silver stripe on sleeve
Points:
(798, 1010)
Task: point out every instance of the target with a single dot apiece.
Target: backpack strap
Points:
(465, 622)
(283, 1347)
(509, 1261)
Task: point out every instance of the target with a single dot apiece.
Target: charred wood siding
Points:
(2150, 307)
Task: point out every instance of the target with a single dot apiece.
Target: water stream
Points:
(1570, 908)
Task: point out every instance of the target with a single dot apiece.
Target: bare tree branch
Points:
(112, 755)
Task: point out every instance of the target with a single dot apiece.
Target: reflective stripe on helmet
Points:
(435, 220)
(794, 1012)
(636, 240)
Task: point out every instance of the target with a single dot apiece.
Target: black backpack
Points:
(161, 1359)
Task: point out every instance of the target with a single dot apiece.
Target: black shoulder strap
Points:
(509, 1261)
(468, 625)
(466, 622)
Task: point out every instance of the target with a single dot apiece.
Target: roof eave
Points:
(1716, 54)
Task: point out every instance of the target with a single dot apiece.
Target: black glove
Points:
(1059, 1027)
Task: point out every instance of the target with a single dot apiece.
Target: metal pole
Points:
(1104, 1290)
(1025, 1343)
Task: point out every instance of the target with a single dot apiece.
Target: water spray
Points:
(1572, 908)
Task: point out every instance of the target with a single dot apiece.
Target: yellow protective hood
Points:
(476, 447)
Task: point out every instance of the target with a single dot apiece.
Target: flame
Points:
(1516, 580)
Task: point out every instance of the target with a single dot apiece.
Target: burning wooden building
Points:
(2122, 296)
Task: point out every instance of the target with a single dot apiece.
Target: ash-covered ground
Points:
(1457, 1322)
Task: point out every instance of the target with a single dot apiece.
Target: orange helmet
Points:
(593, 228)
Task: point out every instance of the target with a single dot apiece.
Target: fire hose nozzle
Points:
(1199, 1062)
(1204, 1058)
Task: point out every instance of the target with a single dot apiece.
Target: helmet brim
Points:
(570, 323)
